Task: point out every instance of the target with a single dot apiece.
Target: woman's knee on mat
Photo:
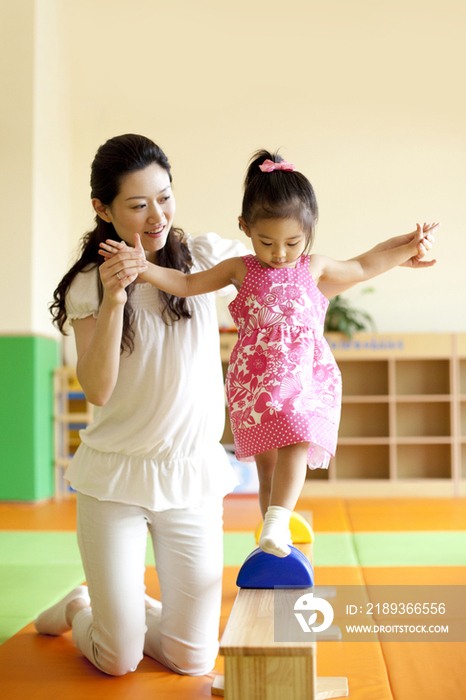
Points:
(117, 662)
(189, 660)
(113, 653)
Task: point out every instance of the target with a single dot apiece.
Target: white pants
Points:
(188, 549)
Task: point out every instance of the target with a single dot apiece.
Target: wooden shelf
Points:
(424, 461)
(423, 419)
(72, 413)
(462, 377)
(365, 399)
(418, 410)
(364, 419)
(370, 379)
(403, 409)
(422, 377)
(363, 461)
(463, 417)
(403, 414)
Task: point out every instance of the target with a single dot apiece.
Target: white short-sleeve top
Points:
(155, 443)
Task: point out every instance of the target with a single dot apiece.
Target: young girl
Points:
(283, 385)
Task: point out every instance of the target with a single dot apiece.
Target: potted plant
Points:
(341, 317)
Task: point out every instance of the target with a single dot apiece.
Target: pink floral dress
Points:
(283, 384)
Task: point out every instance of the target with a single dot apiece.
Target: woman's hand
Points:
(122, 266)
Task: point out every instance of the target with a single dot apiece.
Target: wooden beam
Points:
(257, 667)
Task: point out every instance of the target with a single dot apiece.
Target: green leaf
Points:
(341, 317)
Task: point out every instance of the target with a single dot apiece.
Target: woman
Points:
(151, 460)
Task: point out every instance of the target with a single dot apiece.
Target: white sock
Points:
(275, 536)
(53, 620)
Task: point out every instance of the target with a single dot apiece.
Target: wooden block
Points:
(331, 688)
(250, 628)
(269, 677)
(326, 688)
(218, 686)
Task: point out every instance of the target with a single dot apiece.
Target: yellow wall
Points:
(16, 124)
(35, 147)
(52, 162)
(366, 97)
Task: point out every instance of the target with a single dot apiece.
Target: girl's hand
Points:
(122, 266)
(424, 246)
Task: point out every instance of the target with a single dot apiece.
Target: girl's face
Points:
(276, 242)
(144, 205)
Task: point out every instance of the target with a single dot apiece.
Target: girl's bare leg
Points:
(287, 481)
(265, 464)
(289, 475)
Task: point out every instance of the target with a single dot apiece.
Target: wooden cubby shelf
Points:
(72, 413)
(403, 418)
(403, 421)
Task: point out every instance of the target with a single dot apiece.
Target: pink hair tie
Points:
(269, 166)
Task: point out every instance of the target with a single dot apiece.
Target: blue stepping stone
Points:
(262, 570)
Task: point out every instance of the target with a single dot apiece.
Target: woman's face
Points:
(144, 205)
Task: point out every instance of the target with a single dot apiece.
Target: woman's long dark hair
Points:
(117, 158)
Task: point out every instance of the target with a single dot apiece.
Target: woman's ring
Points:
(118, 275)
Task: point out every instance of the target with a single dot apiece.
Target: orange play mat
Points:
(41, 668)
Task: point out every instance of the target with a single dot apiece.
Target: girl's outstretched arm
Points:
(230, 271)
(416, 261)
